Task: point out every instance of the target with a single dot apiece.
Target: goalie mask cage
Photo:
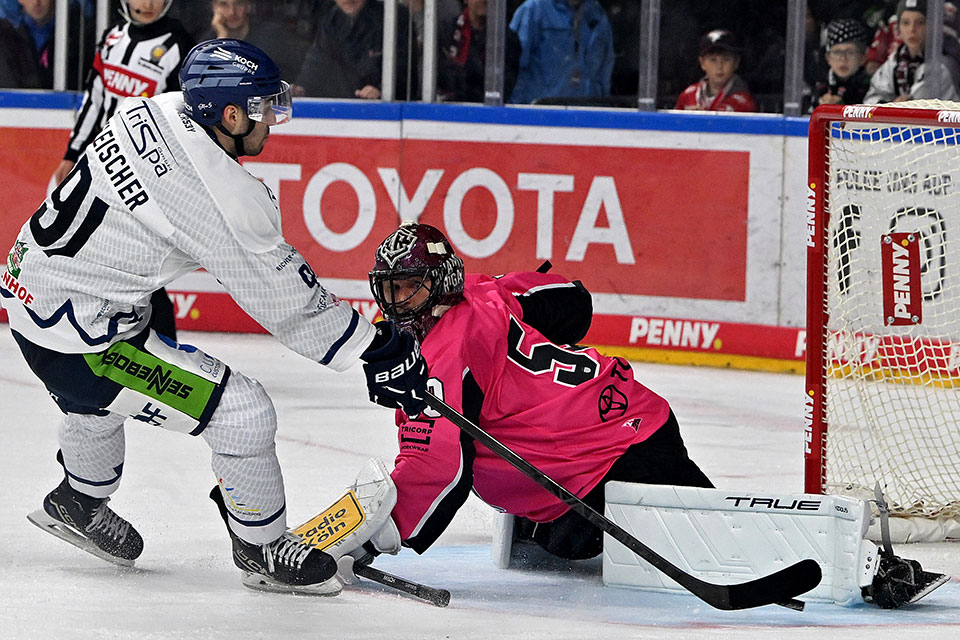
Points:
(883, 308)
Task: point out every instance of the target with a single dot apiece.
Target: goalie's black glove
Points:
(396, 372)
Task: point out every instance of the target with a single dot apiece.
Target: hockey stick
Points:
(438, 597)
(777, 588)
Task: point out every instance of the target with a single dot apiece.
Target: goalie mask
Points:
(416, 277)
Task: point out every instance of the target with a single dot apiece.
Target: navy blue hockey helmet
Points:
(217, 73)
(416, 257)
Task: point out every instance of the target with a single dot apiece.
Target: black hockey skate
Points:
(88, 523)
(286, 565)
(900, 581)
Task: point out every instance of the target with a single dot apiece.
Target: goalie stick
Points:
(438, 597)
(779, 588)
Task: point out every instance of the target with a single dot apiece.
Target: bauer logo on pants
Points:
(900, 262)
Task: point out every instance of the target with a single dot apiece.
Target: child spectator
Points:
(887, 39)
(904, 75)
(720, 89)
(846, 80)
(566, 50)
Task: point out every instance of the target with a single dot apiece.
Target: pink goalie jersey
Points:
(568, 410)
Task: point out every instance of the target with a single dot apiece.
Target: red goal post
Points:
(883, 310)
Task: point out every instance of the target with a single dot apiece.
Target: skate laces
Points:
(289, 550)
(104, 519)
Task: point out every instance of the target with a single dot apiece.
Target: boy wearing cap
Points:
(720, 89)
(846, 80)
(904, 75)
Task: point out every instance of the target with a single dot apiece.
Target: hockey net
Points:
(883, 310)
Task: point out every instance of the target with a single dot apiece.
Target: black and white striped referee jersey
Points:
(131, 60)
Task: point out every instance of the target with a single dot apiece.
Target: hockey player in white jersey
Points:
(158, 194)
(140, 56)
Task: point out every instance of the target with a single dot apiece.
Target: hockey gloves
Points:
(396, 372)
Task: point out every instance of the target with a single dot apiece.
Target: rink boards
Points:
(687, 228)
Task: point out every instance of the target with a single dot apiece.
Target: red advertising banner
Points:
(659, 222)
(28, 158)
(625, 220)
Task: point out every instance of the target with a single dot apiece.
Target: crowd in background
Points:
(713, 55)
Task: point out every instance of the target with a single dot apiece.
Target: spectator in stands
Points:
(10, 11)
(194, 15)
(720, 89)
(886, 38)
(18, 69)
(29, 58)
(298, 17)
(447, 11)
(235, 19)
(566, 50)
(904, 75)
(463, 41)
(231, 19)
(345, 58)
(846, 80)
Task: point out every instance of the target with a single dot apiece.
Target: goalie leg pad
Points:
(725, 536)
(361, 515)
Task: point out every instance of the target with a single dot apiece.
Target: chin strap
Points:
(239, 150)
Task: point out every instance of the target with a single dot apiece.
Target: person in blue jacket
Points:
(567, 50)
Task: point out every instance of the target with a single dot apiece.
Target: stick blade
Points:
(782, 586)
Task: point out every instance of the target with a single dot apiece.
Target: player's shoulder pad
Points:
(247, 206)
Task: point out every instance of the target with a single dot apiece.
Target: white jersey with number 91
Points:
(153, 198)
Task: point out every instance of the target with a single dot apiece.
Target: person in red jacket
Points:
(720, 89)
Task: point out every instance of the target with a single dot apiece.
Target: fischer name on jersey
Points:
(569, 411)
(152, 198)
(131, 61)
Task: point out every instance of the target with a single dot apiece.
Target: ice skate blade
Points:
(936, 580)
(63, 531)
(260, 582)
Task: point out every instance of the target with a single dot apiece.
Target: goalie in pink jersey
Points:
(503, 352)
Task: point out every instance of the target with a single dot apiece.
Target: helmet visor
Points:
(273, 109)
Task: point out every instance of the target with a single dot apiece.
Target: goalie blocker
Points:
(728, 536)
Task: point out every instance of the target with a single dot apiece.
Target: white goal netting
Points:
(892, 352)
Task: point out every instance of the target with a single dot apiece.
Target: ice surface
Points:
(745, 430)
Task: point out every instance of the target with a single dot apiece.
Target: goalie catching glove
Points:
(396, 372)
(357, 527)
